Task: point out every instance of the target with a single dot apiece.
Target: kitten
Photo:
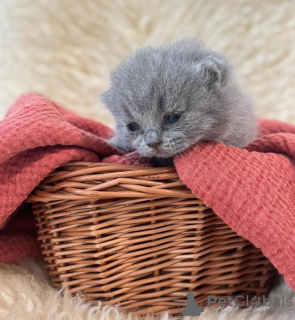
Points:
(167, 98)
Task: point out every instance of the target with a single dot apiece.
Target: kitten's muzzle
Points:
(152, 138)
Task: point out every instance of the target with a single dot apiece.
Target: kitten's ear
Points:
(214, 71)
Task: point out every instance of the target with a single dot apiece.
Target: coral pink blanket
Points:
(252, 190)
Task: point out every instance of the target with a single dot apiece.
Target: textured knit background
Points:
(65, 50)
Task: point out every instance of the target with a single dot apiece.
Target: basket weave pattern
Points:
(138, 237)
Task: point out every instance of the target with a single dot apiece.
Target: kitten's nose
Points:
(152, 138)
(154, 144)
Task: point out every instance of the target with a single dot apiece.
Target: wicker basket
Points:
(138, 237)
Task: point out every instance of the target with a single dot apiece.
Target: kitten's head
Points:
(165, 99)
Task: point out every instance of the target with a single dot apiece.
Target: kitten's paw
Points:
(113, 141)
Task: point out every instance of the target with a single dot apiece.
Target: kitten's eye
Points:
(133, 127)
(172, 118)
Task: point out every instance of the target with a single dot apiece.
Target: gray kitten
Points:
(166, 99)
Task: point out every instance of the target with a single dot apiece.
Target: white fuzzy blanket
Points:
(26, 294)
(65, 49)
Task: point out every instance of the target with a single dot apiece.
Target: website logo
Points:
(191, 307)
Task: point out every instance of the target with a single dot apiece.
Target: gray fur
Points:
(180, 78)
